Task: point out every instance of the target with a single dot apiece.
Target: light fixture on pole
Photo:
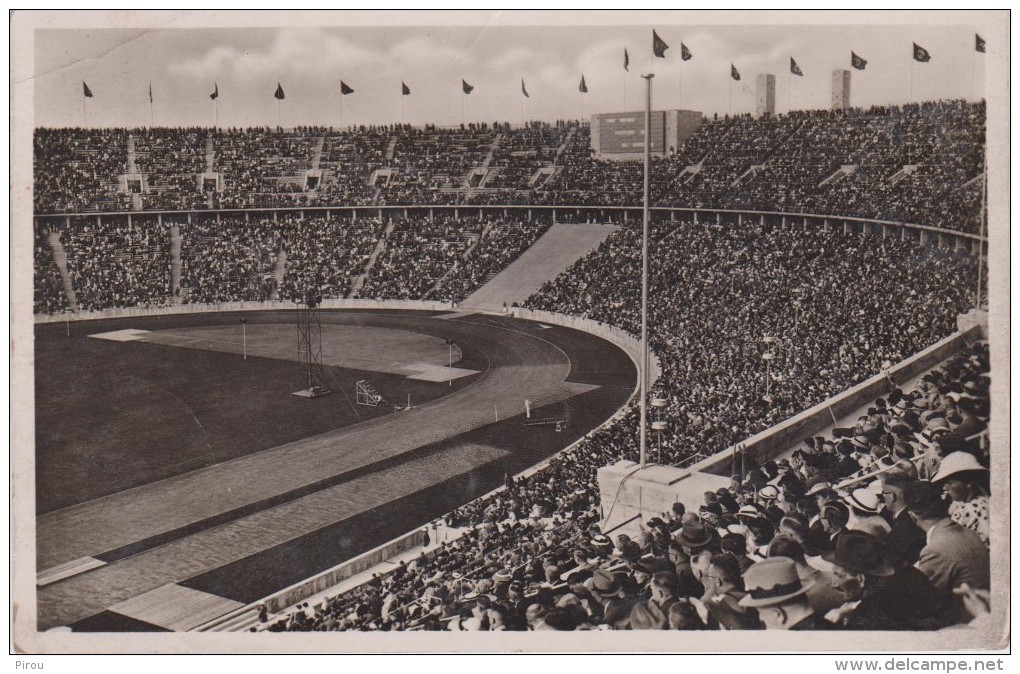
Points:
(768, 357)
(244, 337)
(659, 425)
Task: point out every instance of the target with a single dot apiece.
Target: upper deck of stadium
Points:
(918, 163)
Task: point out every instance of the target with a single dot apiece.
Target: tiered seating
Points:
(229, 260)
(790, 163)
(522, 151)
(532, 556)
(172, 160)
(348, 159)
(325, 255)
(260, 164)
(114, 265)
(418, 254)
(48, 283)
(75, 170)
(503, 243)
(430, 159)
(717, 293)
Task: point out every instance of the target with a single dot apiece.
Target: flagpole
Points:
(981, 230)
(279, 123)
(973, 71)
(680, 83)
(463, 107)
(730, 109)
(911, 90)
(152, 115)
(216, 113)
(789, 92)
(341, 111)
(644, 271)
(85, 109)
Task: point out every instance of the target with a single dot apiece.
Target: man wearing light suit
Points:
(953, 555)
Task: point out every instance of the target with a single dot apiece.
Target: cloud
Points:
(287, 51)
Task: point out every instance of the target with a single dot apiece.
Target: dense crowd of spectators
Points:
(114, 264)
(918, 163)
(419, 253)
(172, 160)
(325, 255)
(830, 308)
(229, 259)
(75, 170)
(881, 525)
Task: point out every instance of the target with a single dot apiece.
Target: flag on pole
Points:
(524, 89)
(659, 45)
(216, 91)
(404, 89)
(685, 53)
(734, 73)
(85, 90)
(626, 60)
(921, 54)
(794, 68)
(279, 92)
(979, 43)
(583, 88)
(857, 62)
(344, 89)
(150, 92)
(466, 87)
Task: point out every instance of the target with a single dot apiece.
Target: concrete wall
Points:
(630, 344)
(626, 492)
(352, 567)
(242, 306)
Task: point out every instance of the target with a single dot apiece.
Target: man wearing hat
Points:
(694, 536)
(775, 589)
(879, 597)
(608, 590)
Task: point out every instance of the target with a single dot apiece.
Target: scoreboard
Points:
(623, 133)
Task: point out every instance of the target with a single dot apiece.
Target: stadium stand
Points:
(839, 514)
(325, 255)
(115, 264)
(916, 163)
(825, 308)
(50, 297)
(228, 258)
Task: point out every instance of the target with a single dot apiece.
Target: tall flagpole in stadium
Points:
(644, 270)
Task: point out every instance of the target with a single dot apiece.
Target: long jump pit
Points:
(177, 476)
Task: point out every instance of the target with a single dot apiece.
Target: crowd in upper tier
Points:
(918, 163)
(879, 525)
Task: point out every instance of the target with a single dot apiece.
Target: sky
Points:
(184, 64)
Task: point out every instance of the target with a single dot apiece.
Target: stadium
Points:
(391, 377)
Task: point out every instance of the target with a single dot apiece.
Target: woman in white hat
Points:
(966, 481)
